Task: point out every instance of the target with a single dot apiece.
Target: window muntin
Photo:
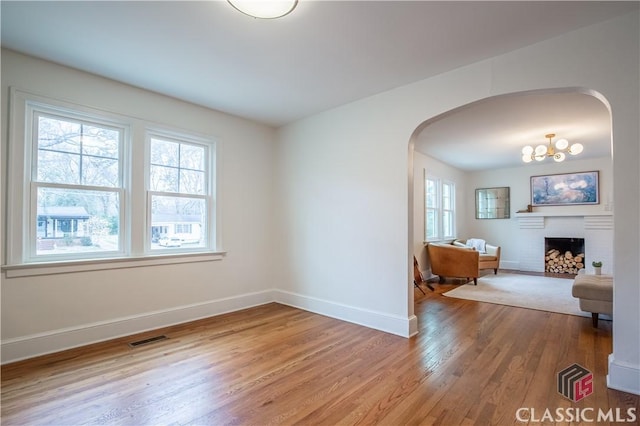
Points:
(440, 216)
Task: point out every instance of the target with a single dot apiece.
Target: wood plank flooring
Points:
(472, 363)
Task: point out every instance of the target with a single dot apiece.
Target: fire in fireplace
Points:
(564, 255)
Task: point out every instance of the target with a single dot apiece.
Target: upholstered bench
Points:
(595, 293)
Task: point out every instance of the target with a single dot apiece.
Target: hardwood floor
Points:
(472, 363)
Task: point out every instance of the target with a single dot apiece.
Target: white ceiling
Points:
(491, 134)
(324, 54)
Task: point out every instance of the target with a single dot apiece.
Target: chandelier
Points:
(264, 9)
(556, 151)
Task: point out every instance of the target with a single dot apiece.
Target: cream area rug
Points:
(523, 291)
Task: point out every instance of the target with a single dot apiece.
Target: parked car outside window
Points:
(170, 242)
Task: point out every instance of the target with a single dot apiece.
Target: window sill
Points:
(65, 267)
(445, 240)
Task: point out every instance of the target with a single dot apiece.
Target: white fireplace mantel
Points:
(596, 227)
(563, 214)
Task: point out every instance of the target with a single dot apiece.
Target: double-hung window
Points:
(179, 194)
(440, 214)
(73, 189)
(85, 184)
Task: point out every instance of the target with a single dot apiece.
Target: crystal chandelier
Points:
(556, 151)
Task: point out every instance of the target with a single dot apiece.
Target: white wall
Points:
(332, 215)
(50, 312)
(344, 181)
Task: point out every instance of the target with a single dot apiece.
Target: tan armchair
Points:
(448, 260)
(488, 260)
(461, 261)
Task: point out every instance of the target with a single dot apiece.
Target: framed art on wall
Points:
(492, 203)
(565, 189)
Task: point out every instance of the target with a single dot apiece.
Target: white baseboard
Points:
(57, 340)
(401, 326)
(623, 376)
(509, 264)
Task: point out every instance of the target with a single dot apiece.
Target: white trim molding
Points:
(401, 326)
(34, 269)
(58, 340)
(33, 345)
(623, 376)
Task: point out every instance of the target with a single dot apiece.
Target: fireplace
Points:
(595, 228)
(564, 255)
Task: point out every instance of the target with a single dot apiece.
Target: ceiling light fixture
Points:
(264, 9)
(556, 151)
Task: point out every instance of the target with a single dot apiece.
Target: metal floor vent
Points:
(148, 341)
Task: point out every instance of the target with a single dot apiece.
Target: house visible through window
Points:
(440, 214)
(73, 192)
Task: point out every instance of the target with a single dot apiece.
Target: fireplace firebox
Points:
(564, 255)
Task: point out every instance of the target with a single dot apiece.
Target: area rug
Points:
(523, 291)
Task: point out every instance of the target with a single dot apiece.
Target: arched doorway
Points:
(472, 143)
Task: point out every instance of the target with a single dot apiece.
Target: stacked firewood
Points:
(563, 263)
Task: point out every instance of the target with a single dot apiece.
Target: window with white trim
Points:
(73, 194)
(179, 197)
(74, 185)
(440, 213)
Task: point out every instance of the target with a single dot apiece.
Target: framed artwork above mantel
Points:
(565, 189)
